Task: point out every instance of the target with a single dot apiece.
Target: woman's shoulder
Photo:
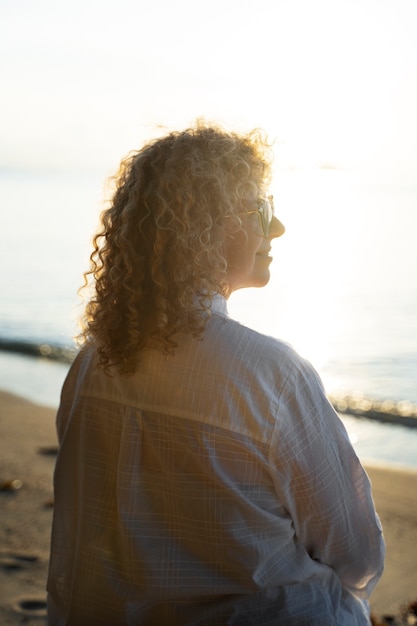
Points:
(260, 349)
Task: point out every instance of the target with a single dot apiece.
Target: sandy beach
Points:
(27, 454)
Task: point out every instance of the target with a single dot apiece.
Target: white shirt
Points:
(217, 486)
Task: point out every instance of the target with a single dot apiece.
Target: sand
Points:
(27, 455)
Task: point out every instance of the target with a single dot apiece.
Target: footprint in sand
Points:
(13, 561)
(31, 607)
(34, 607)
(48, 450)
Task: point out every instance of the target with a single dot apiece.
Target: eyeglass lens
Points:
(266, 211)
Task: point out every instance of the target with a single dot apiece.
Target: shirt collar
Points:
(219, 305)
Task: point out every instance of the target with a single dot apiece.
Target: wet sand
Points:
(27, 455)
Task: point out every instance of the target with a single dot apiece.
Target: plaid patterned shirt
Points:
(216, 486)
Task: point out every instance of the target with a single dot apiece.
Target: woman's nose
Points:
(276, 228)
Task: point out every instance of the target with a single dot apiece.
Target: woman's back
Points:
(184, 490)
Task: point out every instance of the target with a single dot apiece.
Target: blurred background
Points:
(333, 83)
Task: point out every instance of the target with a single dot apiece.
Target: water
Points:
(343, 288)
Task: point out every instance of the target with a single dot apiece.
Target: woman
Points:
(202, 477)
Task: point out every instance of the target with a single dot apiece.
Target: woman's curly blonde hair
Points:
(160, 255)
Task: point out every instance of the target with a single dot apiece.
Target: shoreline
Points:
(396, 412)
(27, 455)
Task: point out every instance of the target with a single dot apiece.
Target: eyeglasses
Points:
(265, 211)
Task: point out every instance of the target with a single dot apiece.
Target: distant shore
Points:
(27, 453)
(385, 411)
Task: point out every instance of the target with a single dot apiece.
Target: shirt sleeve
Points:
(322, 484)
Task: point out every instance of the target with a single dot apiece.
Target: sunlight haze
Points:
(335, 82)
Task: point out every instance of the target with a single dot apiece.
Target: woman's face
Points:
(248, 253)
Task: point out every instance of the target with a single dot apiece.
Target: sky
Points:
(334, 82)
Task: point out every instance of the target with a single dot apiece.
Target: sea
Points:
(343, 288)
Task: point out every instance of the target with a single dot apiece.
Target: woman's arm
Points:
(321, 482)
